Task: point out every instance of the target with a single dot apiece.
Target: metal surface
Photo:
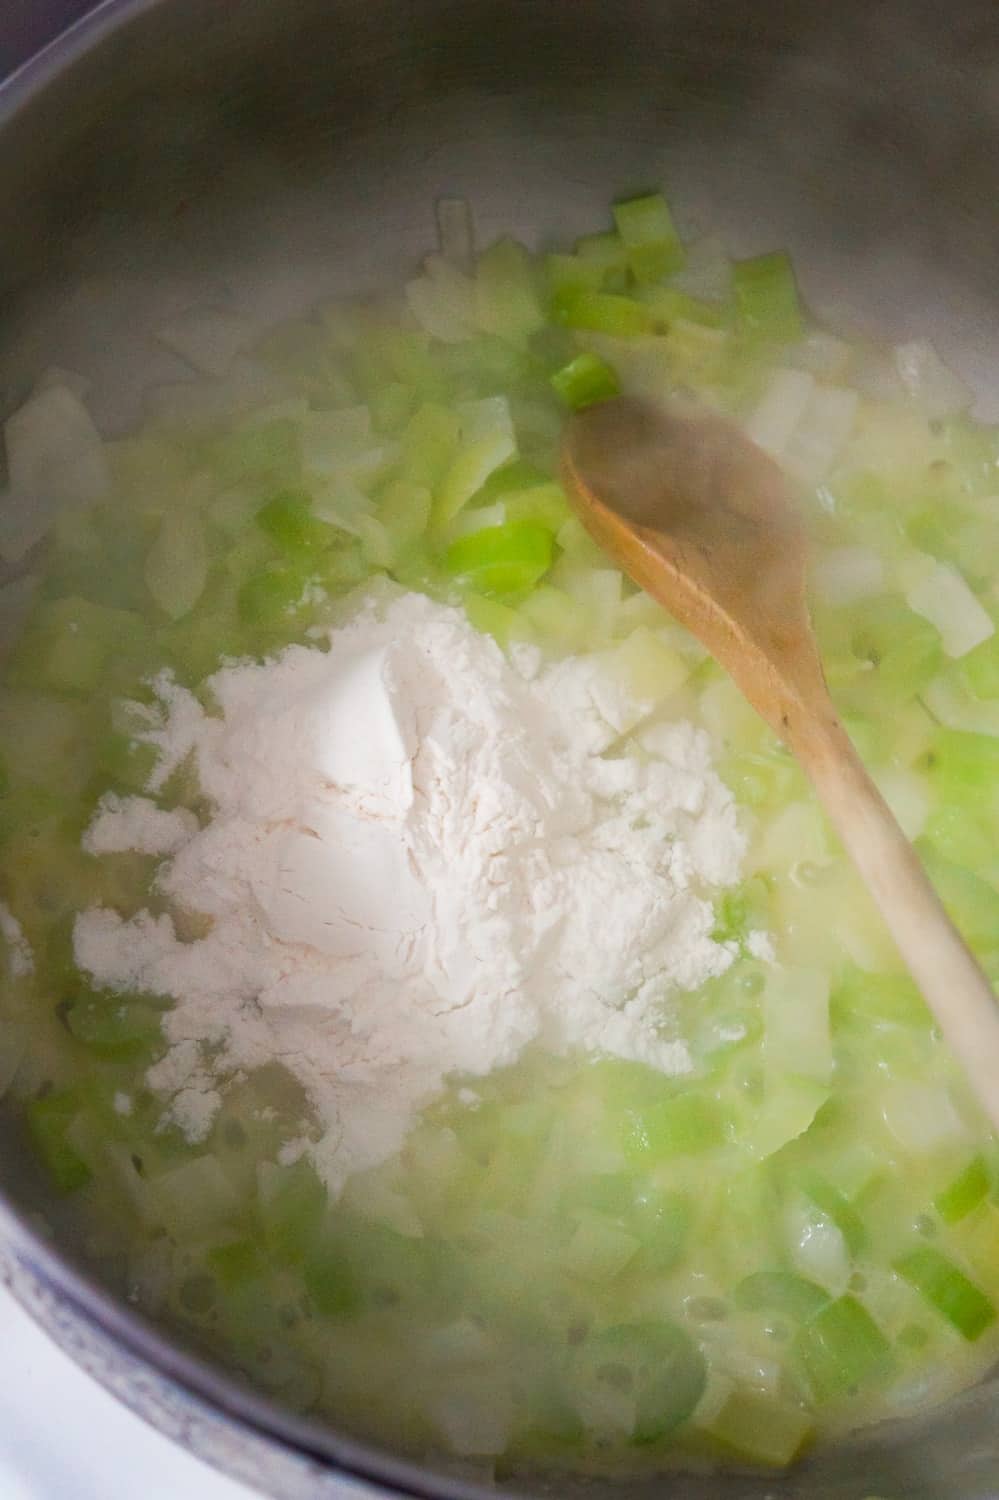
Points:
(270, 152)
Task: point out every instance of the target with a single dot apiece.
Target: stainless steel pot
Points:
(291, 149)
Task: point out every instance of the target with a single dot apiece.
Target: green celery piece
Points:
(404, 511)
(584, 381)
(288, 520)
(49, 1120)
(67, 643)
(761, 1429)
(683, 1125)
(116, 1026)
(544, 504)
(661, 1218)
(646, 228)
(741, 909)
(397, 356)
(236, 1262)
(672, 306)
(835, 1205)
(965, 835)
(946, 1288)
(971, 903)
(498, 620)
(607, 251)
(980, 669)
(878, 1000)
(842, 1349)
(270, 449)
(331, 1282)
(575, 273)
(291, 1204)
(501, 559)
(962, 761)
(273, 596)
(766, 298)
(780, 1292)
(429, 444)
(507, 300)
(665, 1368)
(391, 407)
(964, 1192)
(599, 1248)
(603, 312)
(903, 649)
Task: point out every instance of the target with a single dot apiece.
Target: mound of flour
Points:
(421, 857)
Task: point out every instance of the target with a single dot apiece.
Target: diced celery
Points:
(236, 1262)
(498, 620)
(964, 1192)
(878, 1000)
(176, 568)
(648, 233)
(404, 512)
(331, 1283)
(837, 1207)
(113, 1025)
(980, 669)
(761, 1429)
(607, 251)
(49, 1121)
(971, 902)
(429, 444)
(661, 1365)
(766, 298)
(193, 1200)
(291, 1204)
(599, 1248)
(781, 1292)
(672, 306)
(602, 312)
(502, 559)
(507, 302)
(584, 381)
(842, 1349)
(946, 1288)
(289, 521)
(67, 644)
(488, 442)
(685, 1124)
(573, 273)
(274, 596)
(543, 503)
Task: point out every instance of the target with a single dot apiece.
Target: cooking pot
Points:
(286, 150)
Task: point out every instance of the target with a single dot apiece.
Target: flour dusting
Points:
(421, 857)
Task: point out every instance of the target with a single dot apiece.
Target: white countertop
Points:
(64, 1438)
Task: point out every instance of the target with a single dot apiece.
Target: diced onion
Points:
(821, 434)
(929, 382)
(845, 574)
(209, 339)
(455, 230)
(943, 598)
(780, 410)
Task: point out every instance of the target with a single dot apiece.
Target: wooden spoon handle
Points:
(957, 991)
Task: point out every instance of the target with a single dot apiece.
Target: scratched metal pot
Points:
(290, 149)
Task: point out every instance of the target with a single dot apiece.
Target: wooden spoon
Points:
(701, 519)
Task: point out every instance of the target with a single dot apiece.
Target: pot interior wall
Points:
(268, 155)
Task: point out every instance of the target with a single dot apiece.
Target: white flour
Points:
(421, 857)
